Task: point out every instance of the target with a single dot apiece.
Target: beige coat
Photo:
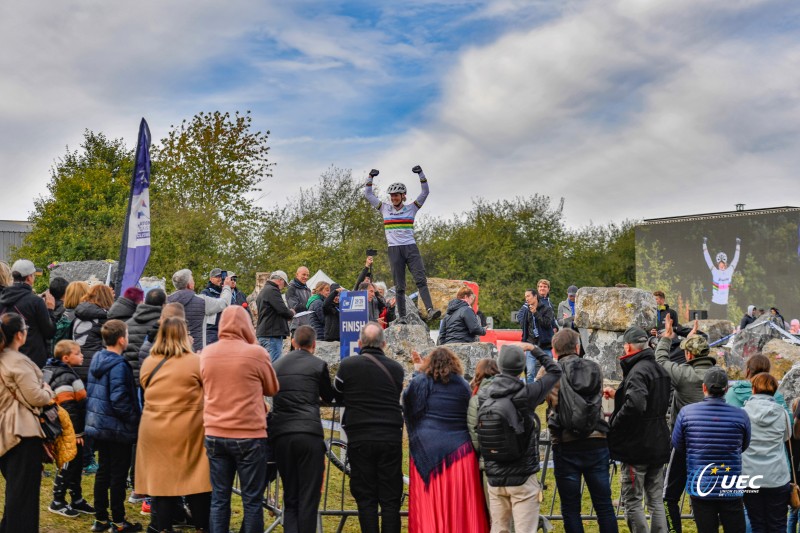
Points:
(22, 393)
(170, 457)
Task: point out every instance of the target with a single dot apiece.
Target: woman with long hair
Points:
(22, 393)
(90, 315)
(5, 276)
(445, 492)
(170, 458)
(766, 457)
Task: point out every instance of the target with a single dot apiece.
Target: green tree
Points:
(83, 215)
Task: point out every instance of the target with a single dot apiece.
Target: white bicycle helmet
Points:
(396, 188)
(722, 258)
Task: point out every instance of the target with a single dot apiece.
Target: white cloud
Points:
(620, 109)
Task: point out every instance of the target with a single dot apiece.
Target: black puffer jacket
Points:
(142, 321)
(122, 309)
(331, 311)
(89, 319)
(460, 324)
(304, 380)
(273, 315)
(639, 431)
(525, 397)
(20, 298)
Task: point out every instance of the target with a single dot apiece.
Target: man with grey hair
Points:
(273, 315)
(200, 309)
(639, 436)
(369, 386)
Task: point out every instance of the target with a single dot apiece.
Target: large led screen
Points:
(721, 263)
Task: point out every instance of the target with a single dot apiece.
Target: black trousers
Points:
(69, 479)
(21, 467)
(399, 257)
(767, 509)
(167, 510)
(301, 464)
(376, 479)
(709, 514)
(114, 461)
(673, 489)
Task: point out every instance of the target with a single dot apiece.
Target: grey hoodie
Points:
(766, 455)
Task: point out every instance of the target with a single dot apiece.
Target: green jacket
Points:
(740, 391)
(472, 418)
(687, 378)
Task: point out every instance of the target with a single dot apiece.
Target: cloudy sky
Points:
(626, 108)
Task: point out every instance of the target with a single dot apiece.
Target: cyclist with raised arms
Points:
(721, 278)
(398, 222)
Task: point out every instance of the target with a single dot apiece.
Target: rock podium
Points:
(602, 314)
(89, 271)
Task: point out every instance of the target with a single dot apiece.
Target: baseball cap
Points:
(634, 335)
(215, 272)
(24, 267)
(231, 274)
(511, 360)
(696, 345)
(280, 274)
(572, 290)
(716, 380)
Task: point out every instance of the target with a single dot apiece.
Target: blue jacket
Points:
(713, 435)
(112, 412)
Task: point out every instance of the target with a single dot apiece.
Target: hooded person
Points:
(125, 306)
(237, 374)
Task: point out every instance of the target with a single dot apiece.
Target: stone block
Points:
(783, 355)
(614, 309)
(469, 353)
(442, 291)
(604, 348)
(753, 338)
(715, 329)
(402, 339)
(790, 385)
(91, 272)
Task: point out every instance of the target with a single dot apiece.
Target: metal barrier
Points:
(337, 502)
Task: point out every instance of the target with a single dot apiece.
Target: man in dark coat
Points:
(37, 312)
(460, 323)
(296, 430)
(538, 320)
(639, 436)
(273, 315)
(297, 295)
(143, 320)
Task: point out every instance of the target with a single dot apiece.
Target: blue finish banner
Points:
(353, 315)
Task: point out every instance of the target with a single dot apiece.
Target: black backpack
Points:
(501, 430)
(580, 414)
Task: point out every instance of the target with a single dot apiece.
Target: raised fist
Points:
(374, 172)
(417, 169)
(738, 241)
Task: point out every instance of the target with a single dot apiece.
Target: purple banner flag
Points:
(135, 250)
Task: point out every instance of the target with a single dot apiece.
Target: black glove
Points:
(374, 172)
(738, 241)
(417, 169)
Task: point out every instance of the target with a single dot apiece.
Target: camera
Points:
(371, 252)
(224, 274)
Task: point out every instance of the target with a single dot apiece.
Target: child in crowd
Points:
(71, 395)
(112, 420)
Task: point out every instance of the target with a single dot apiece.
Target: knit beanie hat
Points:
(511, 360)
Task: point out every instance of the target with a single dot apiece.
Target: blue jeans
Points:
(792, 525)
(593, 466)
(532, 366)
(248, 457)
(274, 345)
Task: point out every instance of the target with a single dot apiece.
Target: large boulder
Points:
(91, 272)
(790, 385)
(604, 348)
(442, 291)
(402, 339)
(783, 355)
(153, 282)
(469, 353)
(614, 309)
(715, 329)
(753, 338)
